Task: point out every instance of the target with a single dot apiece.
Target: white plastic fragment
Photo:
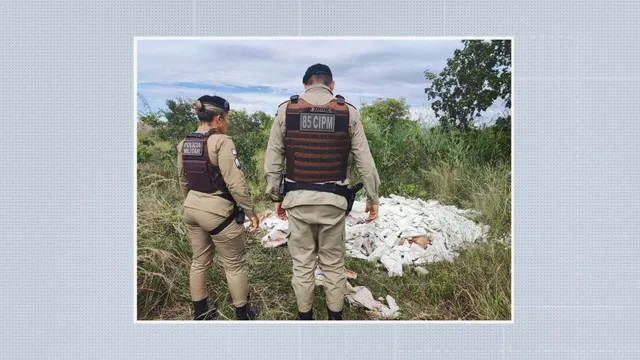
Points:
(274, 238)
(362, 296)
(393, 306)
(393, 263)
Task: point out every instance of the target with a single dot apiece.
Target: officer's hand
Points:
(254, 223)
(280, 212)
(372, 209)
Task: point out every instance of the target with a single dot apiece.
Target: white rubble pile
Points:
(407, 231)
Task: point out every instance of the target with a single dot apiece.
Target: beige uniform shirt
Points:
(222, 153)
(274, 163)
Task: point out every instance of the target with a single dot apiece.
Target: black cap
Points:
(216, 101)
(316, 69)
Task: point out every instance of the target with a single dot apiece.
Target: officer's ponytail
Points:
(197, 105)
(206, 112)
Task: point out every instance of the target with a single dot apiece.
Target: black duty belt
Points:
(347, 193)
(332, 188)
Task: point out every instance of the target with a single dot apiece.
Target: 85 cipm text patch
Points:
(317, 122)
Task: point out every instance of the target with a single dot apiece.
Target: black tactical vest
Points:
(201, 174)
(317, 141)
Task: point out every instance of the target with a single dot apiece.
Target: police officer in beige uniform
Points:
(215, 197)
(313, 135)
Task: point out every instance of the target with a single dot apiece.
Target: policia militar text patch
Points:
(192, 148)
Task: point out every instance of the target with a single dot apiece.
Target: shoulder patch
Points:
(236, 160)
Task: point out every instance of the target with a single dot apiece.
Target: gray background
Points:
(67, 150)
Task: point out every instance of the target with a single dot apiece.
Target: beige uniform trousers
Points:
(230, 246)
(317, 234)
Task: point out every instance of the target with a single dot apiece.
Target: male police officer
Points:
(314, 135)
(215, 196)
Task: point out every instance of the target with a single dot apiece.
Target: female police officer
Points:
(215, 195)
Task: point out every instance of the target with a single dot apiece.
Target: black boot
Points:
(335, 315)
(305, 316)
(201, 310)
(246, 312)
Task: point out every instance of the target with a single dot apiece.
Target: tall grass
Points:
(467, 169)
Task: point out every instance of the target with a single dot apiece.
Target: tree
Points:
(263, 121)
(386, 113)
(250, 134)
(146, 117)
(474, 78)
(180, 120)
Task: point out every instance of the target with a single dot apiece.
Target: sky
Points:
(258, 75)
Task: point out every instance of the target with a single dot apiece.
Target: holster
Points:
(353, 192)
(239, 215)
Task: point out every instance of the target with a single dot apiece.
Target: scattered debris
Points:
(277, 235)
(407, 231)
(360, 295)
(274, 238)
(420, 270)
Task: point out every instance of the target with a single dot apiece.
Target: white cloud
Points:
(281, 63)
(362, 69)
